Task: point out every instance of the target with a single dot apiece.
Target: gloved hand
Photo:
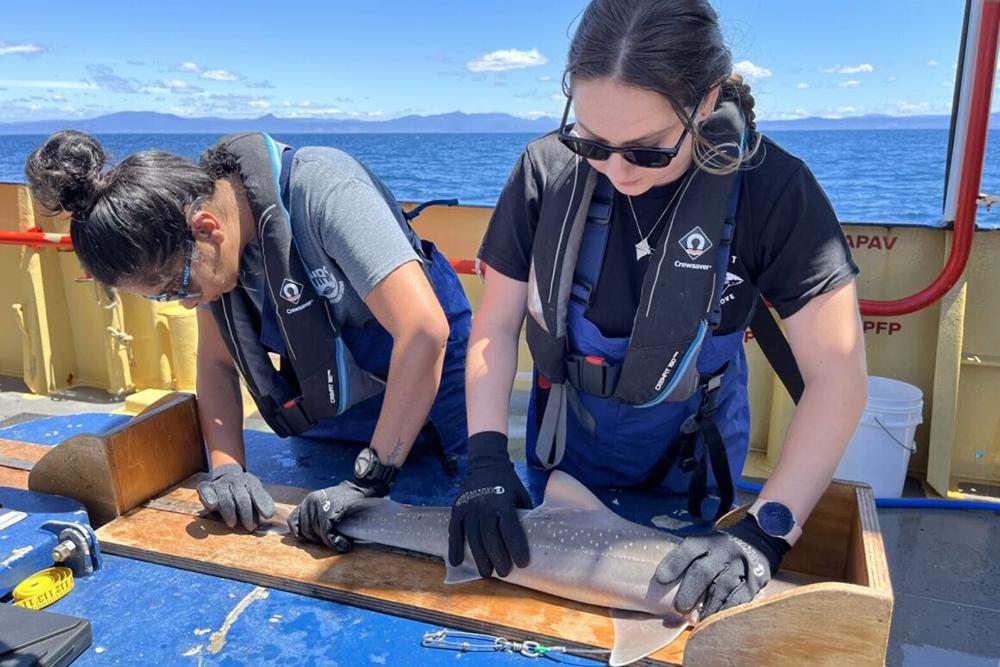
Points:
(725, 568)
(316, 517)
(485, 512)
(236, 494)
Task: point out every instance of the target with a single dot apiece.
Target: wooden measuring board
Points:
(171, 531)
(830, 623)
(132, 484)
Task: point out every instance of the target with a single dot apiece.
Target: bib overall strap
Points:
(590, 261)
(684, 452)
(551, 402)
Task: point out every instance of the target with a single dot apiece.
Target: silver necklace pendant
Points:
(642, 249)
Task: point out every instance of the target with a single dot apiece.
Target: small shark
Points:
(580, 550)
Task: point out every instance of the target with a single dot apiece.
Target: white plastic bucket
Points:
(880, 450)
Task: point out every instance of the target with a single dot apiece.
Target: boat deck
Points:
(945, 575)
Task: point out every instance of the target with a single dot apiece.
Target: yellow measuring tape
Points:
(43, 588)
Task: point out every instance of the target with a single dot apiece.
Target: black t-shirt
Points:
(788, 243)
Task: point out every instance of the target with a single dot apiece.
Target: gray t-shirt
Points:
(358, 222)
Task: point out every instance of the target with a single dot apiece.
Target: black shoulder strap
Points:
(776, 349)
(286, 174)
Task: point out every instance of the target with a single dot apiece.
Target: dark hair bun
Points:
(65, 172)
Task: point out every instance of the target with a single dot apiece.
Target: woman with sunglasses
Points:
(637, 240)
(303, 254)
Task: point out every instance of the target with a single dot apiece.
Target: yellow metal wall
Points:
(60, 331)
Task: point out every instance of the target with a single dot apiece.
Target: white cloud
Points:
(533, 115)
(933, 63)
(849, 69)
(544, 78)
(750, 71)
(890, 79)
(849, 110)
(22, 49)
(179, 87)
(219, 75)
(803, 86)
(62, 85)
(785, 115)
(506, 59)
(853, 83)
(188, 67)
(904, 107)
(259, 104)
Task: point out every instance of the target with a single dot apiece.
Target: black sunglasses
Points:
(640, 156)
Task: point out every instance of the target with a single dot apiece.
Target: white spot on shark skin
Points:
(16, 555)
(99, 649)
(378, 659)
(202, 631)
(193, 651)
(217, 640)
(275, 619)
(615, 502)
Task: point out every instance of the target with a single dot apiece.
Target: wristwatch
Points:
(775, 519)
(370, 472)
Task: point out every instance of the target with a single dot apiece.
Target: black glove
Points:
(485, 512)
(316, 517)
(236, 494)
(726, 568)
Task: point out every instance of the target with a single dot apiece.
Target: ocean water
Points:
(890, 176)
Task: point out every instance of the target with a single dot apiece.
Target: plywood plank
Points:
(14, 478)
(22, 451)
(826, 622)
(370, 577)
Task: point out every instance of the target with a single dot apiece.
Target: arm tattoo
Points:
(394, 454)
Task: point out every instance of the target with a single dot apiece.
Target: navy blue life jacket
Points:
(318, 377)
(680, 301)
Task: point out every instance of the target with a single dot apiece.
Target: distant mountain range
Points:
(149, 122)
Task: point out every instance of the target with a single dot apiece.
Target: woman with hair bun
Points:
(304, 254)
(639, 239)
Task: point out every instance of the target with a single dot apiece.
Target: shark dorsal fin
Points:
(564, 492)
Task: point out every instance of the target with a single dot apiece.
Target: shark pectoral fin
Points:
(638, 635)
(459, 575)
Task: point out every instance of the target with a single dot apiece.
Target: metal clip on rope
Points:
(472, 642)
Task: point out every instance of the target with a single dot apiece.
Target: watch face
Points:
(363, 464)
(775, 519)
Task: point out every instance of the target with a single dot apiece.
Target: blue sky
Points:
(389, 58)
